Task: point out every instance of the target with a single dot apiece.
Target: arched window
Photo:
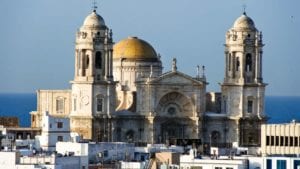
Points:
(99, 103)
(229, 62)
(250, 106)
(237, 64)
(87, 61)
(98, 62)
(248, 62)
(60, 105)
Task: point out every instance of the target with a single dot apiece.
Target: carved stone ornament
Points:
(85, 100)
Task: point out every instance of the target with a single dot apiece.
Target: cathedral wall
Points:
(233, 131)
(131, 129)
(215, 131)
(56, 102)
(151, 97)
(82, 97)
(232, 100)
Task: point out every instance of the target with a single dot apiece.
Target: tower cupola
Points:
(93, 20)
(93, 55)
(244, 22)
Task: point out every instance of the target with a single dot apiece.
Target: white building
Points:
(98, 152)
(13, 160)
(280, 139)
(54, 129)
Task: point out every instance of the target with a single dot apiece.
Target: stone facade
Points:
(119, 93)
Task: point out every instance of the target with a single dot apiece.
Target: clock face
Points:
(85, 100)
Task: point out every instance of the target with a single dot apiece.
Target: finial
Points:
(203, 71)
(94, 6)
(244, 9)
(174, 65)
(198, 71)
(110, 34)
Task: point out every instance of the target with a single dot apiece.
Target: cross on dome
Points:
(94, 5)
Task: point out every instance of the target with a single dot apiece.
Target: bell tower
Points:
(243, 90)
(93, 87)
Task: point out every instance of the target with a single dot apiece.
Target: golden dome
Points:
(133, 48)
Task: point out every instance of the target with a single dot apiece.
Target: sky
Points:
(37, 38)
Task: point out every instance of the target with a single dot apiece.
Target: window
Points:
(272, 140)
(218, 167)
(281, 140)
(60, 105)
(229, 62)
(248, 62)
(250, 106)
(296, 141)
(87, 61)
(269, 164)
(229, 168)
(196, 167)
(224, 104)
(172, 110)
(98, 62)
(286, 141)
(296, 164)
(291, 141)
(60, 125)
(281, 164)
(99, 104)
(277, 140)
(268, 140)
(60, 138)
(237, 64)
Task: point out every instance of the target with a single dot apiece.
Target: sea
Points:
(279, 109)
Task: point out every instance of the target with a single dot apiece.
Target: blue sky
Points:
(37, 38)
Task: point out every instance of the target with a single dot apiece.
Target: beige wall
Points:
(47, 101)
(280, 139)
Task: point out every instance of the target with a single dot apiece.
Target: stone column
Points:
(106, 66)
(151, 133)
(237, 138)
(110, 73)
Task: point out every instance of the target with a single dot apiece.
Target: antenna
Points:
(94, 5)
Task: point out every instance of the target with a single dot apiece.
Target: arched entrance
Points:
(171, 131)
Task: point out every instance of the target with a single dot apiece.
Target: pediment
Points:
(176, 78)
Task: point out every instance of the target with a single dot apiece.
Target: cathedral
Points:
(120, 93)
